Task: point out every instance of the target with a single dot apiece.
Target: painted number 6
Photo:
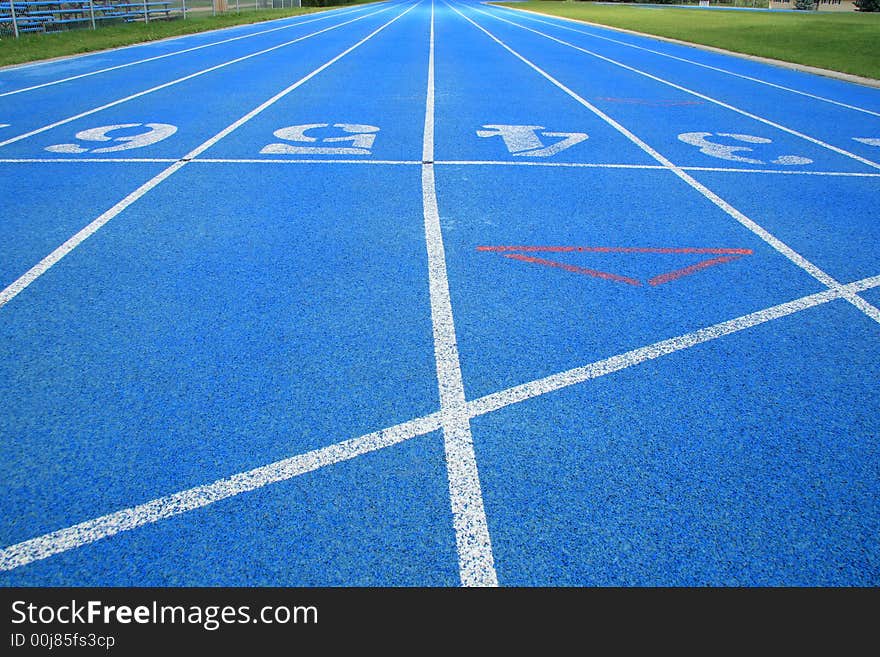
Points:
(155, 132)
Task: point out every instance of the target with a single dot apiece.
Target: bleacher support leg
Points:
(14, 19)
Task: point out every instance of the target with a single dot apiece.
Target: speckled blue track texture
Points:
(224, 358)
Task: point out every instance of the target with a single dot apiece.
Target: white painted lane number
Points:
(727, 151)
(870, 141)
(361, 138)
(525, 140)
(155, 132)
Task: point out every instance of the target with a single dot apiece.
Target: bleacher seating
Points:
(56, 15)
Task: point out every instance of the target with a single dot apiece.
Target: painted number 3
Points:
(730, 151)
(155, 132)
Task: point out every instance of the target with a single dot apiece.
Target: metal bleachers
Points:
(25, 16)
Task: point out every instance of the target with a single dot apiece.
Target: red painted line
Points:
(613, 249)
(572, 268)
(686, 271)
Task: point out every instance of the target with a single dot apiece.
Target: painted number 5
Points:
(726, 151)
(155, 132)
(360, 138)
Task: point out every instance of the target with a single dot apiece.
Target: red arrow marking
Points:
(686, 271)
(575, 269)
(516, 253)
(614, 249)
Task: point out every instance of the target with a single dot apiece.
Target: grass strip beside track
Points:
(33, 47)
(845, 42)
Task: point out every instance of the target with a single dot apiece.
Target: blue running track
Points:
(429, 293)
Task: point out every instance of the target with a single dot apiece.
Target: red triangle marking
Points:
(573, 268)
(517, 253)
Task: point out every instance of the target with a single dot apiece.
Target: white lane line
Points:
(324, 16)
(176, 504)
(870, 310)
(61, 160)
(792, 255)
(520, 393)
(90, 531)
(182, 79)
(267, 160)
(690, 61)
(475, 560)
(686, 90)
(577, 165)
(787, 172)
(201, 160)
(510, 163)
(655, 167)
(141, 44)
(50, 260)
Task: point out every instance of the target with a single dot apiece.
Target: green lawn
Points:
(847, 42)
(31, 47)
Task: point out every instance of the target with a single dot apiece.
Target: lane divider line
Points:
(169, 506)
(520, 393)
(165, 85)
(71, 78)
(777, 244)
(475, 558)
(686, 90)
(53, 258)
(510, 163)
(524, 12)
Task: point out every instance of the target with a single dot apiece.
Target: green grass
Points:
(846, 42)
(32, 47)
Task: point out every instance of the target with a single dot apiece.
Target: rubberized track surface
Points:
(421, 293)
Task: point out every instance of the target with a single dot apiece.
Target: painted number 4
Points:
(525, 140)
(360, 138)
